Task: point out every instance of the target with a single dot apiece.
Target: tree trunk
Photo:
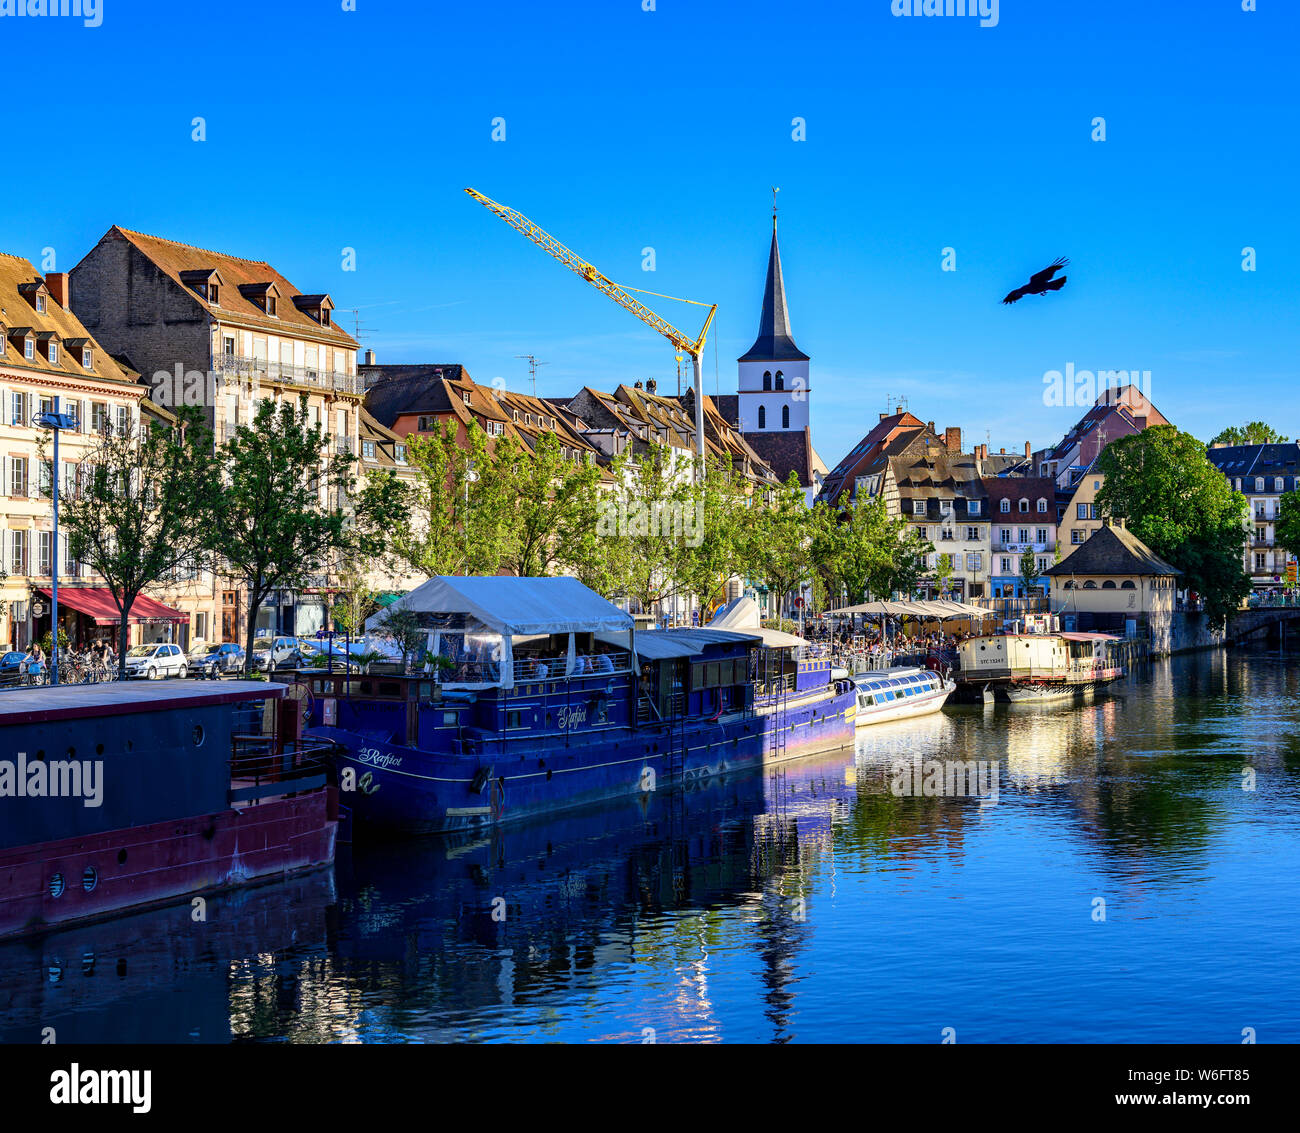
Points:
(250, 633)
(123, 636)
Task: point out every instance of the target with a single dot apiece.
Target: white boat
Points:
(1038, 667)
(897, 694)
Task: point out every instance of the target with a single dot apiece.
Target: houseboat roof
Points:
(70, 702)
(513, 606)
(664, 644)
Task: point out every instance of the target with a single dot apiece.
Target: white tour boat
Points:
(896, 694)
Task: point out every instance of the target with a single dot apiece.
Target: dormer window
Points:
(205, 282)
(465, 397)
(87, 359)
(54, 353)
(29, 349)
(264, 296)
(40, 303)
(316, 307)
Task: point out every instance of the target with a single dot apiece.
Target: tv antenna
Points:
(533, 363)
(359, 329)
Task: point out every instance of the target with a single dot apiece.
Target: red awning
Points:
(97, 602)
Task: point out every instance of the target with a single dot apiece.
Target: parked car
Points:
(11, 665)
(271, 653)
(155, 662)
(318, 653)
(216, 658)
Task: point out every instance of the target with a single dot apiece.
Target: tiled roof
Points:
(395, 391)
(18, 278)
(240, 278)
(786, 451)
(1112, 550)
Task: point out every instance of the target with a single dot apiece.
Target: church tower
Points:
(773, 389)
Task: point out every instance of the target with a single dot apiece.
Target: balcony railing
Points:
(312, 377)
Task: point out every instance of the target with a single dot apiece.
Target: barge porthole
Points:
(56, 885)
(89, 879)
(198, 735)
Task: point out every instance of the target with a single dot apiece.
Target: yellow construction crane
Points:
(692, 346)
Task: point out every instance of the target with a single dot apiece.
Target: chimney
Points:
(651, 385)
(952, 438)
(1028, 451)
(883, 416)
(57, 282)
(929, 426)
(899, 411)
(637, 384)
(1002, 452)
(370, 358)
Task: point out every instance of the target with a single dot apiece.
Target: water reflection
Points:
(789, 905)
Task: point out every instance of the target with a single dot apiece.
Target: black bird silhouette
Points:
(1041, 282)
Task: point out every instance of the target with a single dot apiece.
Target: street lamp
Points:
(57, 422)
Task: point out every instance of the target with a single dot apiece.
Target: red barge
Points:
(118, 796)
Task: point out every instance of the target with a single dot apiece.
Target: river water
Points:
(1129, 874)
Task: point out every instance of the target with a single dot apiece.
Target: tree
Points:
(405, 629)
(1028, 569)
(713, 547)
(1286, 527)
(1254, 433)
(780, 541)
(287, 507)
(1182, 507)
(864, 549)
(554, 506)
(459, 507)
(140, 506)
(943, 573)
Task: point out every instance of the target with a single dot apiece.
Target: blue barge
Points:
(544, 697)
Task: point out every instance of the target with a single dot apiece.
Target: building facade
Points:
(1022, 518)
(222, 332)
(1262, 473)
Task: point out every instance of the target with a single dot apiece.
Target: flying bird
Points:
(1041, 282)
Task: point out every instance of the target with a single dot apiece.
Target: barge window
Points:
(449, 719)
(514, 718)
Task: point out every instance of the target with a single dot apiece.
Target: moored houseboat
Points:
(1036, 667)
(120, 796)
(538, 694)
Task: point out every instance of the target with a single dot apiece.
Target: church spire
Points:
(774, 343)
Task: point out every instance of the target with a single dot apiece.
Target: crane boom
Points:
(575, 263)
(594, 276)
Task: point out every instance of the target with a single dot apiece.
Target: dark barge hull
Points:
(45, 886)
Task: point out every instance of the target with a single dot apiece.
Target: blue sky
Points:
(628, 129)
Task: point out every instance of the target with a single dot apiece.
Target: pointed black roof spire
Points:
(774, 343)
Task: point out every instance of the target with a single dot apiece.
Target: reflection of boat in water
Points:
(157, 976)
(1037, 667)
(897, 694)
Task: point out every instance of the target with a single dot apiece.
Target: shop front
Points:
(89, 614)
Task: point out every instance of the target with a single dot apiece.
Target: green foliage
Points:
(864, 551)
(1183, 508)
(1254, 433)
(1028, 568)
(288, 507)
(943, 572)
(1287, 526)
(405, 629)
(142, 506)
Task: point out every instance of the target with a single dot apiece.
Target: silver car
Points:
(154, 662)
